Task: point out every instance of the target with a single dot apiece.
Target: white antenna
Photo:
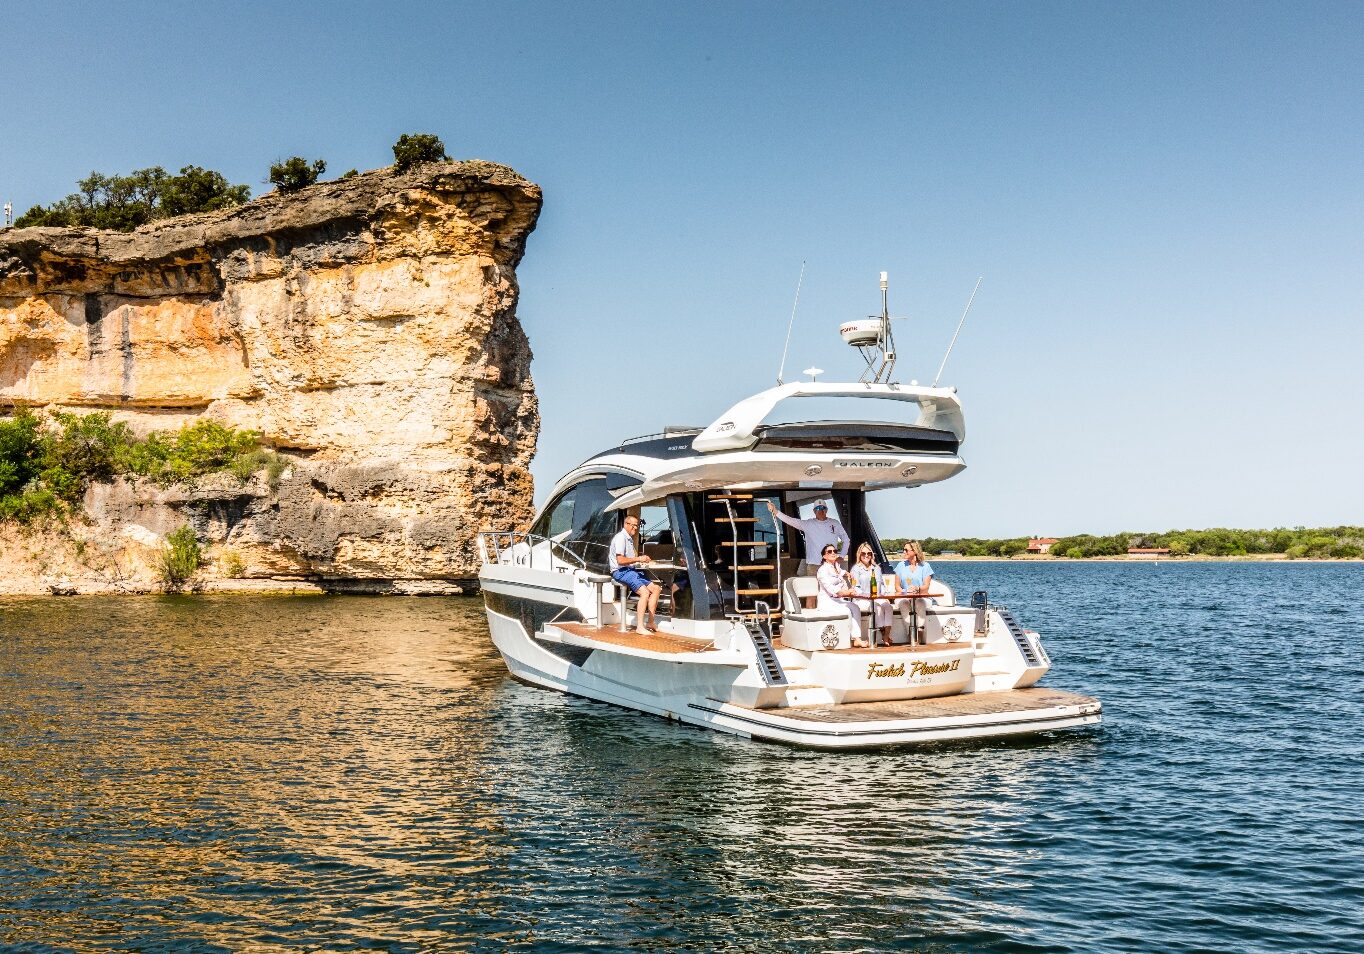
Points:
(790, 324)
(953, 343)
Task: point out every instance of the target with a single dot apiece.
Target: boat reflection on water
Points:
(806, 839)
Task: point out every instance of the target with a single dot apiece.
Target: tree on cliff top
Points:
(414, 148)
(296, 173)
(123, 203)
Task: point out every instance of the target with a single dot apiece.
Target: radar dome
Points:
(863, 333)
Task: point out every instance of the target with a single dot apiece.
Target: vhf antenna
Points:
(887, 339)
(789, 325)
(969, 302)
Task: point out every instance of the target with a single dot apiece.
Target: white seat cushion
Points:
(794, 590)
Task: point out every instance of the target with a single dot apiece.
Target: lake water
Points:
(222, 773)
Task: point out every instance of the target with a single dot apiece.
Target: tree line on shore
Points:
(125, 202)
(1295, 543)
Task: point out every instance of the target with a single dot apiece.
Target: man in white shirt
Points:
(818, 533)
(624, 560)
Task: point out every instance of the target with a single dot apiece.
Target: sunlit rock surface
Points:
(366, 327)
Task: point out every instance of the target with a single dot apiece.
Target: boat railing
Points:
(518, 548)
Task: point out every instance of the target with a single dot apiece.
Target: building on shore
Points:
(1041, 544)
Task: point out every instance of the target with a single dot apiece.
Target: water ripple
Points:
(267, 774)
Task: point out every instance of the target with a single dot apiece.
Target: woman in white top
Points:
(834, 592)
(862, 572)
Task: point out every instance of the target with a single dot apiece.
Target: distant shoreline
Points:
(1123, 558)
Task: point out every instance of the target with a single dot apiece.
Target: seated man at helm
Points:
(624, 559)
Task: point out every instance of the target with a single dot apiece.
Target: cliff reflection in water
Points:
(185, 767)
(329, 772)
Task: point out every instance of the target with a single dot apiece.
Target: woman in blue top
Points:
(914, 576)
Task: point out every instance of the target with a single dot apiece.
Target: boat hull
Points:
(696, 693)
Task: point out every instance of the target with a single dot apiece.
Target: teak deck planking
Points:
(658, 642)
(940, 707)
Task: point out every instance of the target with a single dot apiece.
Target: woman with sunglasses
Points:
(834, 593)
(862, 572)
(914, 577)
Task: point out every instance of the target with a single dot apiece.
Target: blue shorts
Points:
(631, 577)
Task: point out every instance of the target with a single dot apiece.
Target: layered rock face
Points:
(365, 327)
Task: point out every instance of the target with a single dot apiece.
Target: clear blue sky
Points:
(1166, 201)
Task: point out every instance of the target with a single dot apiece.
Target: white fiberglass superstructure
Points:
(739, 646)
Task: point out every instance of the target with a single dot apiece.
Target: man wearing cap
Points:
(818, 533)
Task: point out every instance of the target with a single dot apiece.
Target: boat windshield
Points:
(801, 409)
(577, 520)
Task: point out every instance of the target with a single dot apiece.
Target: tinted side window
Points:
(557, 518)
(593, 527)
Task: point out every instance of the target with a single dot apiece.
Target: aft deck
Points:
(659, 642)
(1013, 701)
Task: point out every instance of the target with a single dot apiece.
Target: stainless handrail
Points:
(494, 544)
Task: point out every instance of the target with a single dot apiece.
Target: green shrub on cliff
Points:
(245, 466)
(296, 173)
(181, 559)
(415, 148)
(89, 446)
(30, 487)
(123, 203)
(47, 463)
(21, 452)
(204, 447)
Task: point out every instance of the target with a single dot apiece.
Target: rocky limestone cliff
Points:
(365, 327)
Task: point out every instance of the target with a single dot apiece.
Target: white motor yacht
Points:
(740, 646)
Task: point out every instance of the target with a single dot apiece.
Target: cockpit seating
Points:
(805, 628)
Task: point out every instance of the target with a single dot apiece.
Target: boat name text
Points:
(878, 670)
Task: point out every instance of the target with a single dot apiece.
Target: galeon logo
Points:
(829, 638)
(873, 464)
